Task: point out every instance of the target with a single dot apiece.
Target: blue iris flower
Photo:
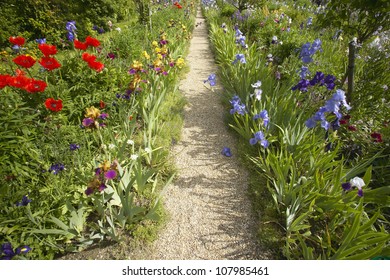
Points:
(25, 201)
(226, 152)
(239, 57)
(262, 115)
(237, 105)
(331, 106)
(259, 137)
(211, 80)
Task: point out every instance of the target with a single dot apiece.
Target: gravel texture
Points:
(208, 204)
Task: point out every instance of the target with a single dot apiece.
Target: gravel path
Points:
(210, 213)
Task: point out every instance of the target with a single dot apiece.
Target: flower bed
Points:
(320, 157)
(83, 151)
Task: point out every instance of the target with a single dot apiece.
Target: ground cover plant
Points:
(86, 124)
(313, 124)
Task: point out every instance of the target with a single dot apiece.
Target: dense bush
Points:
(47, 18)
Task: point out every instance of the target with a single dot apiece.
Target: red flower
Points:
(47, 49)
(343, 121)
(352, 128)
(88, 57)
(4, 80)
(18, 81)
(50, 63)
(17, 40)
(53, 105)
(96, 65)
(89, 41)
(80, 45)
(377, 137)
(102, 104)
(25, 61)
(35, 86)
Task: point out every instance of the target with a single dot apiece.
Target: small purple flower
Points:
(211, 80)
(111, 56)
(226, 152)
(56, 168)
(304, 72)
(110, 174)
(25, 201)
(103, 116)
(74, 147)
(88, 121)
(132, 71)
(238, 107)
(259, 137)
(262, 115)
(239, 57)
(89, 191)
(98, 171)
(355, 182)
(7, 252)
(23, 250)
(41, 41)
(102, 187)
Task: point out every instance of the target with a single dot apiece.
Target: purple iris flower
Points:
(211, 80)
(103, 116)
(239, 57)
(259, 137)
(102, 187)
(262, 115)
(238, 107)
(23, 250)
(71, 27)
(74, 147)
(41, 41)
(25, 201)
(88, 121)
(56, 168)
(7, 252)
(110, 174)
(226, 152)
(89, 191)
(304, 72)
(331, 106)
(302, 85)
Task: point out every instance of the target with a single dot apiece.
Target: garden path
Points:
(210, 212)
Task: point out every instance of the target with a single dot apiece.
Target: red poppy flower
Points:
(89, 41)
(17, 40)
(4, 80)
(53, 105)
(96, 65)
(80, 45)
(18, 81)
(47, 49)
(50, 63)
(102, 104)
(88, 57)
(377, 137)
(25, 61)
(35, 86)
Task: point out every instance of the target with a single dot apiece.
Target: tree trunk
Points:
(351, 68)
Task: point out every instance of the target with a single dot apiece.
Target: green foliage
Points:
(360, 18)
(47, 19)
